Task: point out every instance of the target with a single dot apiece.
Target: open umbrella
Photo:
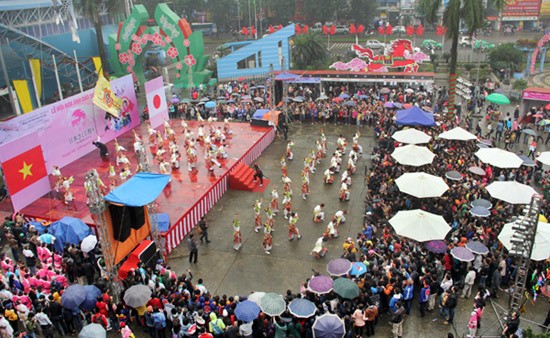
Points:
(92, 331)
(398, 105)
(477, 171)
(499, 158)
(411, 136)
(175, 99)
(413, 155)
(258, 99)
(541, 247)
(350, 104)
(137, 295)
(482, 145)
(385, 90)
(498, 98)
(409, 90)
(256, 297)
(421, 185)
(322, 97)
(328, 326)
(346, 288)
(437, 246)
(544, 158)
(511, 192)
(529, 132)
(88, 243)
(358, 268)
(459, 134)
(338, 267)
(453, 175)
(527, 161)
(273, 304)
(205, 99)
(92, 292)
(73, 296)
(210, 104)
(389, 104)
(320, 284)
(299, 99)
(302, 308)
(419, 225)
(480, 211)
(363, 97)
(481, 202)
(247, 311)
(477, 248)
(462, 254)
(344, 96)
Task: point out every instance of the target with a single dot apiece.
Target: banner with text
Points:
(67, 128)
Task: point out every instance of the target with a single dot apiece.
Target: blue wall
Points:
(267, 47)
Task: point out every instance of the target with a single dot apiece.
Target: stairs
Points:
(242, 178)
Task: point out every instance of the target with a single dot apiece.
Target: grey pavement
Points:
(226, 271)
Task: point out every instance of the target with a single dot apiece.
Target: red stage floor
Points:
(181, 194)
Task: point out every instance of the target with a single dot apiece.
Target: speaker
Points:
(121, 222)
(150, 255)
(137, 217)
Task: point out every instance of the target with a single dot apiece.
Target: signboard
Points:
(545, 9)
(529, 95)
(521, 10)
(67, 128)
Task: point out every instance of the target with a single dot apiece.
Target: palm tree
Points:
(472, 13)
(309, 50)
(91, 9)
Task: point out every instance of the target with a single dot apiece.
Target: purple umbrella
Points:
(338, 267)
(175, 99)
(477, 248)
(320, 284)
(436, 246)
(462, 254)
(389, 105)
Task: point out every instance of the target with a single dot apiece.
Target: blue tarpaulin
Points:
(260, 113)
(414, 116)
(68, 230)
(140, 190)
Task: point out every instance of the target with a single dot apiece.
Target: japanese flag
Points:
(156, 102)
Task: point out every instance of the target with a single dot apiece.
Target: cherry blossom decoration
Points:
(172, 52)
(189, 60)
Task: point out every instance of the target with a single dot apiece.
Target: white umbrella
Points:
(88, 243)
(544, 157)
(419, 225)
(256, 297)
(541, 248)
(413, 155)
(511, 192)
(459, 134)
(499, 158)
(92, 331)
(421, 185)
(411, 136)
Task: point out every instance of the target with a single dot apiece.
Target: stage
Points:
(189, 196)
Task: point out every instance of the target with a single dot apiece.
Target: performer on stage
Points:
(275, 201)
(175, 160)
(164, 168)
(118, 147)
(237, 237)
(226, 128)
(221, 153)
(121, 159)
(341, 144)
(267, 241)
(56, 173)
(112, 177)
(258, 215)
(292, 228)
(103, 152)
(318, 213)
(258, 174)
(289, 154)
(124, 174)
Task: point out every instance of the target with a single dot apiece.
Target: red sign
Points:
(521, 8)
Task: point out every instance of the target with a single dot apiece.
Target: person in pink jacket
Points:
(358, 321)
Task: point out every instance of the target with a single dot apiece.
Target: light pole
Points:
(238, 15)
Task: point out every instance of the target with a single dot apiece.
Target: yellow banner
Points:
(23, 95)
(545, 9)
(104, 97)
(37, 74)
(97, 63)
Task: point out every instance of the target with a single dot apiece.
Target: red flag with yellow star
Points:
(24, 169)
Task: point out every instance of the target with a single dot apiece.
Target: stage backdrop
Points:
(67, 128)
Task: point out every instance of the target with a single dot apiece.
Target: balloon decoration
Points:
(352, 29)
(305, 29)
(245, 31)
(440, 30)
(410, 30)
(270, 29)
(297, 29)
(360, 29)
(332, 30)
(419, 30)
(325, 30)
(381, 30)
(389, 30)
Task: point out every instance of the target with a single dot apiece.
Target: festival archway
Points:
(540, 46)
(171, 34)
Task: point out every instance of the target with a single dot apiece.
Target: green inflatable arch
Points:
(171, 34)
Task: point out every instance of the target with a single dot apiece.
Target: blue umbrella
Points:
(350, 103)
(462, 254)
(363, 97)
(302, 308)
(299, 99)
(247, 311)
(358, 268)
(477, 247)
(527, 161)
(230, 101)
(73, 296)
(344, 96)
(329, 326)
(92, 292)
(210, 104)
(480, 211)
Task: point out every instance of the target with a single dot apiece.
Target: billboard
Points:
(516, 10)
(545, 9)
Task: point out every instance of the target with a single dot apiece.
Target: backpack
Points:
(159, 322)
(217, 330)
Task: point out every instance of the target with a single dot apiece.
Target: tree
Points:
(186, 8)
(506, 56)
(472, 14)
(309, 51)
(92, 9)
(362, 11)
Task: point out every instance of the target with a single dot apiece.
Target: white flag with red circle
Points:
(156, 102)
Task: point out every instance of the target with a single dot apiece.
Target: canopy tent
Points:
(414, 116)
(274, 116)
(259, 114)
(142, 189)
(286, 76)
(68, 230)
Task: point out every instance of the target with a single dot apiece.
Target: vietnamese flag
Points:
(24, 170)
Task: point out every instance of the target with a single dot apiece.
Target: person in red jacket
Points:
(99, 318)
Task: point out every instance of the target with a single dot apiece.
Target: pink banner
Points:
(67, 128)
(156, 102)
(536, 96)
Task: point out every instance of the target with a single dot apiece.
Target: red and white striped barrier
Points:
(177, 232)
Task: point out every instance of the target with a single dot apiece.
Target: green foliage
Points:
(445, 56)
(362, 11)
(469, 66)
(281, 11)
(186, 8)
(520, 85)
(434, 57)
(505, 56)
(309, 50)
(528, 333)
